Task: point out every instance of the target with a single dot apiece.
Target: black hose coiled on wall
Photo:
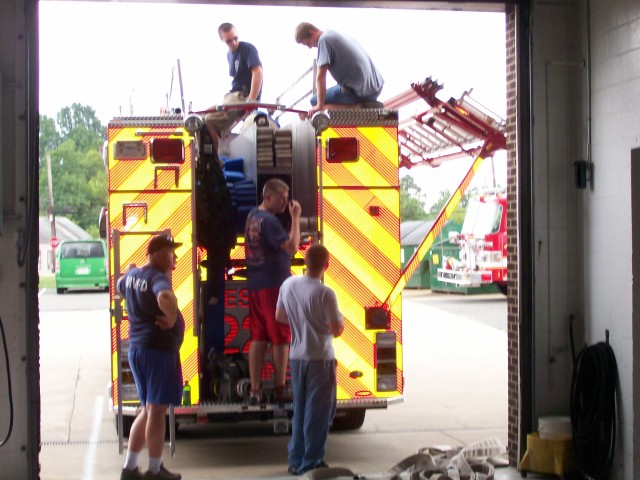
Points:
(593, 409)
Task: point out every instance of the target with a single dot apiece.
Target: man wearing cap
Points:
(156, 331)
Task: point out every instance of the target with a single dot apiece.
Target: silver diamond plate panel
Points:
(363, 117)
(156, 121)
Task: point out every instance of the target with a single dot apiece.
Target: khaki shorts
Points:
(224, 120)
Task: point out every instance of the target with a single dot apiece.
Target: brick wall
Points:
(512, 234)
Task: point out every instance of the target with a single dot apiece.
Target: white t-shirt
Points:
(310, 306)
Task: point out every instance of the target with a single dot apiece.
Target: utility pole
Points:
(52, 215)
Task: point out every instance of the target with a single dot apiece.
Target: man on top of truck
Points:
(246, 69)
(359, 82)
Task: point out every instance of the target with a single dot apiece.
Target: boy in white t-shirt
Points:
(311, 309)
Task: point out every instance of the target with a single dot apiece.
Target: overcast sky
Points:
(121, 58)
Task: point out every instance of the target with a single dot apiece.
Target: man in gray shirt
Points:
(359, 82)
(311, 309)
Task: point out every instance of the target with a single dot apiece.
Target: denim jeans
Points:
(338, 95)
(314, 406)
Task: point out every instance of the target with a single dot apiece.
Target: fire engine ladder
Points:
(446, 131)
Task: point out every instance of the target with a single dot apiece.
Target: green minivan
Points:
(82, 264)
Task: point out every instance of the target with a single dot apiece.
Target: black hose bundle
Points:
(593, 409)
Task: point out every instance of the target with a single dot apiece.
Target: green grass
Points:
(47, 281)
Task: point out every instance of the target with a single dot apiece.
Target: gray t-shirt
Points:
(349, 64)
(310, 306)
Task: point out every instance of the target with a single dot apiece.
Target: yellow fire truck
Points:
(343, 167)
(346, 180)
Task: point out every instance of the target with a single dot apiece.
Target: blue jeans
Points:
(314, 406)
(338, 95)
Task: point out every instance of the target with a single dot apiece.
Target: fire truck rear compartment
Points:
(219, 384)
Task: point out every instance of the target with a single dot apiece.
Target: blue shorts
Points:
(338, 95)
(158, 376)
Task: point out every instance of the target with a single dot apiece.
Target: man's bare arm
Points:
(291, 244)
(130, 267)
(337, 326)
(281, 315)
(168, 303)
(321, 88)
(256, 82)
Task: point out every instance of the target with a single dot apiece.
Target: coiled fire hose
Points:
(593, 408)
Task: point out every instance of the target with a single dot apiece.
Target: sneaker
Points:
(163, 474)
(292, 470)
(134, 474)
(256, 398)
(282, 395)
(322, 464)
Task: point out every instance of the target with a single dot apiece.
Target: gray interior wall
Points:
(635, 271)
(558, 72)
(18, 243)
(615, 34)
(583, 238)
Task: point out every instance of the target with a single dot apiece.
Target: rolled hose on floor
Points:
(593, 409)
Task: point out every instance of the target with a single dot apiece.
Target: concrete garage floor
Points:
(455, 371)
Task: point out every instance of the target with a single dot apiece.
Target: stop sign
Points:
(54, 242)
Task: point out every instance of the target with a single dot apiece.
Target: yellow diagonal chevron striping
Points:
(142, 174)
(353, 297)
(363, 231)
(385, 141)
(353, 260)
(360, 227)
(388, 198)
(376, 165)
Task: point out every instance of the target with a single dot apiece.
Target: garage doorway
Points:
(512, 305)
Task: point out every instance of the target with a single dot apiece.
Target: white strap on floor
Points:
(430, 463)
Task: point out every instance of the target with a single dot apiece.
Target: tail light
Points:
(386, 362)
(167, 150)
(377, 318)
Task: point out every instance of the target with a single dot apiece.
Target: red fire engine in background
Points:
(482, 258)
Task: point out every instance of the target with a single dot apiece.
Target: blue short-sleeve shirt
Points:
(268, 264)
(140, 287)
(241, 61)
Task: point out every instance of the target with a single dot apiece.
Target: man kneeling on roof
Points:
(359, 82)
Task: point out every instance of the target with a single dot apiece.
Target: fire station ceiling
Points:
(483, 6)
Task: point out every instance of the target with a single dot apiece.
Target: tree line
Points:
(74, 141)
(413, 207)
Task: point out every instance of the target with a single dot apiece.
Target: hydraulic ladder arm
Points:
(447, 130)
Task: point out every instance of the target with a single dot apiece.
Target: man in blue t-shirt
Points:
(156, 332)
(359, 82)
(244, 64)
(245, 68)
(268, 251)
